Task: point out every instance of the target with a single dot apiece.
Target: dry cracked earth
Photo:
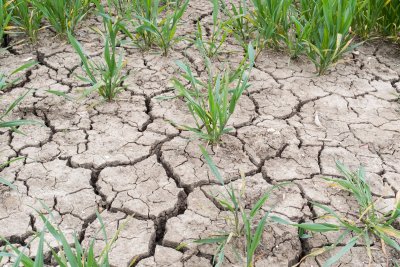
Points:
(127, 160)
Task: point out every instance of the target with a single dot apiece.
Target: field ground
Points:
(126, 159)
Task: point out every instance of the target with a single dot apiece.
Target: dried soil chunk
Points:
(183, 158)
(66, 189)
(112, 142)
(143, 189)
(266, 138)
(294, 163)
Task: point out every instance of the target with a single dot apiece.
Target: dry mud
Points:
(127, 159)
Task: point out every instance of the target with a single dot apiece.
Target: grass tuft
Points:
(212, 102)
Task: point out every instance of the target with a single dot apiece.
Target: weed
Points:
(151, 29)
(211, 103)
(63, 15)
(68, 255)
(369, 223)
(105, 77)
(244, 222)
(26, 19)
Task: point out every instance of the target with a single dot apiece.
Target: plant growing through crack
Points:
(66, 254)
(5, 19)
(6, 81)
(212, 46)
(238, 21)
(212, 102)
(105, 77)
(26, 19)
(63, 15)
(155, 24)
(370, 222)
(244, 221)
(330, 34)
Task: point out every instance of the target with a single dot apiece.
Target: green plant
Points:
(243, 221)
(218, 35)
(5, 79)
(238, 22)
(368, 223)
(330, 35)
(67, 254)
(296, 35)
(390, 20)
(271, 19)
(4, 181)
(13, 124)
(123, 8)
(5, 18)
(150, 29)
(211, 103)
(105, 77)
(373, 18)
(63, 15)
(26, 19)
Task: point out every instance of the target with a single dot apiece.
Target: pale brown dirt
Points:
(127, 160)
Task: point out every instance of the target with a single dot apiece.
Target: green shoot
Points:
(4, 181)
(369, 222)
(218, 36)
(151, 29)
(270, 18)
(63, 15)
(26, 19)
(5, 79)
(5, 18)
(105, 77)
(123, 8)
(244, 222)
(238, 22)
(68, 255)
(211, 103)
(5, 83)
(330, 35)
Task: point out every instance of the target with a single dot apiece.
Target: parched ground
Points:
(127, 160)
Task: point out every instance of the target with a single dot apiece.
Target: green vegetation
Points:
(212, 102)
(67, 254)
(329, 37)
(155, 23)
(5, 181)
(213, 44)
(369, 223)
(6, 81)
(63, 15)
(106, 76)
(26, 19)
(321, 29)
(5, 18)
(244, 222)
(238, 23)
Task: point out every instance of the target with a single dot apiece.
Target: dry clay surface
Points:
(127, 160)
